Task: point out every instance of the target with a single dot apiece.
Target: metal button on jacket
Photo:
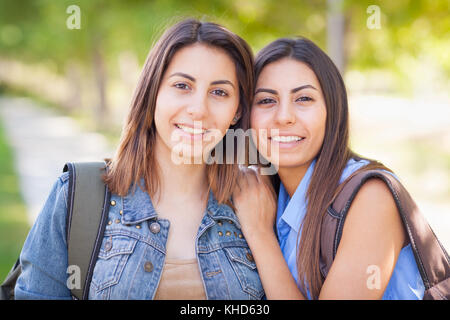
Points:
(155, 227)
(108, 246)
(148, 266)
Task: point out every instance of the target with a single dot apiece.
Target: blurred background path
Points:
(42, 142)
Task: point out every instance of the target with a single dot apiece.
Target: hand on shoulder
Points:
(255, 201)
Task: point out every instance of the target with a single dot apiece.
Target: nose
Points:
(198, 106)
(285, 114)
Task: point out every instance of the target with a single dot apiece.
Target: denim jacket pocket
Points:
(244, 266)
(112, 258)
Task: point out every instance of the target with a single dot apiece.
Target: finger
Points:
(240, 182)
(252, 178)
(262, 179)
(265, 178)
(243, 179)
(254, 168)
(248, 174)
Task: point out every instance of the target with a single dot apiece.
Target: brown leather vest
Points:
(432, 259)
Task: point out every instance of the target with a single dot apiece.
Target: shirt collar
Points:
(293, 210)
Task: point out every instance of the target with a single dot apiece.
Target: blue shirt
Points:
(405, 283)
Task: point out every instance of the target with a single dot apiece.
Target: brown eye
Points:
(181, 85)
(266, 101)
(220, 92)
(304, 98)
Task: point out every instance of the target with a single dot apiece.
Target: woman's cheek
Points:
(319, 121)
(260, 120)
(255, 126)
(260, 125)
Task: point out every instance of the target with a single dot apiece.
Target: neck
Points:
(292, 176)
(180, 181)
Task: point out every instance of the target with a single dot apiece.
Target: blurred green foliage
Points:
(35, 30)
(13, 220)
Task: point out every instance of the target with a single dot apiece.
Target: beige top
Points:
(180, 280)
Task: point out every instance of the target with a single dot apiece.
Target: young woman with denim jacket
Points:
(168, 207)
(300, 92)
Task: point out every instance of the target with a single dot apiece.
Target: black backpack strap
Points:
(88, 206)
(7, 287)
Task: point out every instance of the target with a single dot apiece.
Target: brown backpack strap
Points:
(432, 260)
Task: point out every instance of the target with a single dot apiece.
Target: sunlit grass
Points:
(13, 219)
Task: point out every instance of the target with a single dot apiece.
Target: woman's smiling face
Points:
(197, 100)
(288, 98)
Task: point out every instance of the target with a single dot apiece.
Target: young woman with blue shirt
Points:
(171, 231)
(300, 92)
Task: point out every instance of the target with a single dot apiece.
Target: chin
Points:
(288, 161)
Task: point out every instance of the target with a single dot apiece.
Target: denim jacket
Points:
(132, 254)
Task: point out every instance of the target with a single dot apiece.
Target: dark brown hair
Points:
(135, 158)
(332, 156)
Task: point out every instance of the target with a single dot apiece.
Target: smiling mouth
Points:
(191, 130)
(286, 139)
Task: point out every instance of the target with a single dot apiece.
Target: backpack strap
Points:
(7, 287)
(88, 204)
(431, 257)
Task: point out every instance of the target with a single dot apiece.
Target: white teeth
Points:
(286, 138)
(191, 130)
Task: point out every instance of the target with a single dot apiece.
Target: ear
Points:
(236, 118)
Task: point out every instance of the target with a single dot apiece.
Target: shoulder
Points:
(60, 189)
(351, 166)
(44, 254)
(53, 213)
(375, 192)
(373, 215)
(64, 177)
(372, 235)
(374, 199)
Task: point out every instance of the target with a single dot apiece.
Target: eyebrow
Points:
(303, 87)
(292, 91)
(266, 90)
(223, 82)
(184, 75)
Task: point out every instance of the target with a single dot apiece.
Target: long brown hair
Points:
(331, 158)
(135, 158)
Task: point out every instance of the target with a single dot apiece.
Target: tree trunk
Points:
(74, 78)
(101, 111)
(336, 33)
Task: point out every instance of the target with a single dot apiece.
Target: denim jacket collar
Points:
(220, 211)
(138, 207)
